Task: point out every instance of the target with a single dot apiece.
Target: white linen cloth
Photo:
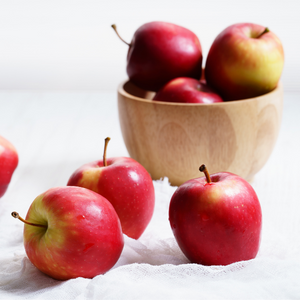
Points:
(57, 132)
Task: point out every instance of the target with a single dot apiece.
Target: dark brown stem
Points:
(205, 171)
(265, 31)
(104, 153)
(16, 215)
(115, 29)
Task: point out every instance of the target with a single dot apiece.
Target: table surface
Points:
(56, 132)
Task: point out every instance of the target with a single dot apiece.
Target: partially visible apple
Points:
(216, 219)
(187, 90)
(72, 232)
(161, 51)
(8, 162)
(245, 60)
(126, 184)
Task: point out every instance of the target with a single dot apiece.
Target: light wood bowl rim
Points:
(122, 91)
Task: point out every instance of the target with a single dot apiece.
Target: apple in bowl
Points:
(161, 51)
(245, 61)
(187, 90)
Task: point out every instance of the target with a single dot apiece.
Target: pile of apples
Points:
(77, 230)
(245, 61)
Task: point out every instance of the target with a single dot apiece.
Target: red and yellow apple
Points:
(187, 90)
(245, 60)
(8, 162)
(161, 51)
(126, 184)
(216, 219)
(72, 232)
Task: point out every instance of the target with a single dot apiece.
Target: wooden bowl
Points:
(172, 140)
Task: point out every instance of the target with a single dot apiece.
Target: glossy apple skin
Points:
(8, 163)
(216, 223)
(126, 184)
(83, 238)
(162, 51)
(187, 90)
(242, 65)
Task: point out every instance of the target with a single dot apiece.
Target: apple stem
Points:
(205, 171)
(104, 153)
(265, 31)
(115, 29)
(16, 215)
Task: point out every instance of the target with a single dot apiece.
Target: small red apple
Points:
(8, 162)
(216, 219)
(244, 61)
(72, 232)
(126, 184)
(187, 90)
(161, 51)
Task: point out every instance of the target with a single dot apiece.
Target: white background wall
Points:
(69, 44)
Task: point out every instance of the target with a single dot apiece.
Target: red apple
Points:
(187, 90)
(72, 232)
(216, 219)
(161, 51)
(8, 163)
(244, 61)
(126, 184)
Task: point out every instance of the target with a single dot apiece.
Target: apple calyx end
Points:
(205, 171)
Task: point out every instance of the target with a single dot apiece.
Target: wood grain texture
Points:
(173, 140)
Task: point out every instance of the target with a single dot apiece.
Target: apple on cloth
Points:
(244, 61)
(187, 90)
(161, 51)
(72, 232)
(126, 184)
(8, 162)
(216, 219)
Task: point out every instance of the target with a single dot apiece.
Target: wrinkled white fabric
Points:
(154, 267)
